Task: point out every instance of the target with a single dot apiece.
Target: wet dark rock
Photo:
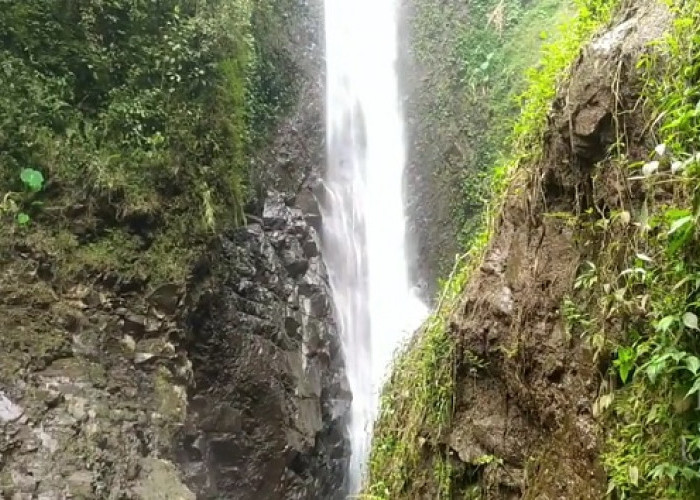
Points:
(94, 383)
(135, 324)
(166, 298)
(270, 397)
(275, 212)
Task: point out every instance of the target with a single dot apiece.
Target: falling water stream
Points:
(363, 207)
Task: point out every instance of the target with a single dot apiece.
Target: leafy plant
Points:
(140, 110)
(32, 179)
(625, 362)
(646, 288)
(23, 219)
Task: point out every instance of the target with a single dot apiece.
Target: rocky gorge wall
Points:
(267, 412)
(527, 389)
(461, 67)
(229, 384)
(433, 104)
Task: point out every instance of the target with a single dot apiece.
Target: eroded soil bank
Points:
(497, 396)
(526, 387)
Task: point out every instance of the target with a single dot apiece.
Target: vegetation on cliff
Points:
(409, 456)
(139, 118)
(130, 138)
(636, 300)
(631, 311)
(484, 49)
(468, 65)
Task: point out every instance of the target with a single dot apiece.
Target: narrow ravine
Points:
(363, 208)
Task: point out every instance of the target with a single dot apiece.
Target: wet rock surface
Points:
(270, 398)
(435, 107)
(94, 376)
(292, 162)
(92, 387)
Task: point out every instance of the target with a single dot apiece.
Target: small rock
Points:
(48, 442)
(142, 357)
(184, 371)
(135, 323)
(156, 347)
(129, 343)
(160, 481)
(153, 325)
(77, 304)
(26, 483)
(53, 398)
(297, 268)
(222, 418)
(74, 321)
(93, 299)
(9, 412)
(80, 484)
(79, 292)
(77, 408)
(165, 298)
(275, 211)
(504, 301)
(310, 248)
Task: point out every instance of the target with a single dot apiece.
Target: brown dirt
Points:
(532, 405)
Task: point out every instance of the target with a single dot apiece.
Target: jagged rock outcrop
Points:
(92, 385)
(267, 411)
(94, 379)
(292, 162)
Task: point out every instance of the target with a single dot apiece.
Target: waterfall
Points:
(363, 208)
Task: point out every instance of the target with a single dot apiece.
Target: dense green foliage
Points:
(638, 297)
(140, 116)
(417, 403)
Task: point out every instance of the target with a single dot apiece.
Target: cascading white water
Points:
(363, 206)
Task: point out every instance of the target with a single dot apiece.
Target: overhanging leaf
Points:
(644, 257)
(22, 219)
(695, 388)
(634, 475)
(680, 239)
(665, 323)
(693, 364)
(650, 168)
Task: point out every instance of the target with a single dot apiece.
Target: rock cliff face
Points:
(270, 397)
(531, 404)
(229, 386)
(267, 412)
(92, 384)
(433, 103)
